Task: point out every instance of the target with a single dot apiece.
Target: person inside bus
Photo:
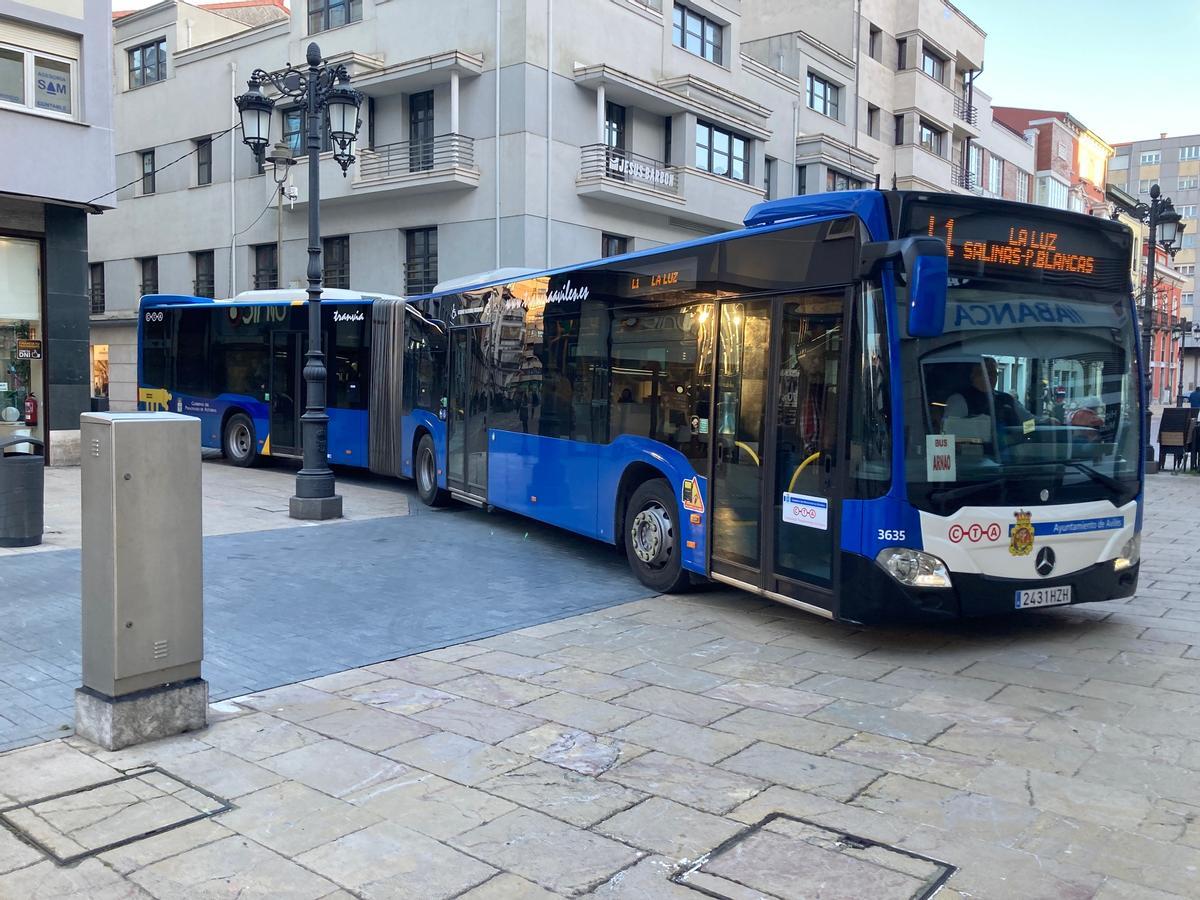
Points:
(1087, 415)
(973, 398)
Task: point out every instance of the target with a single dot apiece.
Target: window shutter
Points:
(57, 43)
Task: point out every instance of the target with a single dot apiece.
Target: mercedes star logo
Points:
(1045, 562)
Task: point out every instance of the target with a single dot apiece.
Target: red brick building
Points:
(1165, 347)
(1070, 161)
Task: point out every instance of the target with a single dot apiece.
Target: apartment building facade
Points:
(522, 138)
(56, 118)
(1173, 163)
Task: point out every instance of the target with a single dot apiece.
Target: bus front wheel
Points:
(425, 472)
(238, 442)
(653, 538)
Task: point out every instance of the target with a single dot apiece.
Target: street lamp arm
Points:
(293, 82)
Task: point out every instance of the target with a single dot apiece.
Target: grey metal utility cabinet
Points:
(143, 603)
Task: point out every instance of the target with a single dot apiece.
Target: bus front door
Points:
(466, 415)
(287, 391)
(774, 486)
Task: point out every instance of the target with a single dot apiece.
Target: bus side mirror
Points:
(927, 295)
(923, 262)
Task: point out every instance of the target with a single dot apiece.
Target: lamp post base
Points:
(315, 508)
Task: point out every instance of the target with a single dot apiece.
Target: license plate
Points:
(1047, 596)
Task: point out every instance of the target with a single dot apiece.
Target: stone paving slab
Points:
(1055, 754)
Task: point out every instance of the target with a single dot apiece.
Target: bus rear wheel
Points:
(238, 442)
(425, 473)
(653, 541)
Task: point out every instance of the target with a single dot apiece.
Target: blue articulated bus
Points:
(867, 404)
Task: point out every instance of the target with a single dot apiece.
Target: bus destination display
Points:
(981, 242)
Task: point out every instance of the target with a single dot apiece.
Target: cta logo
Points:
(975, 533)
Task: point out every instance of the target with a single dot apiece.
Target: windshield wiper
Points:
(1096, 475)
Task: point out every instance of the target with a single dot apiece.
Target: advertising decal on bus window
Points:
(802, 509)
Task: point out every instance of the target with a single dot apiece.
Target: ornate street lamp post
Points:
(1165, 230)
(325, 90)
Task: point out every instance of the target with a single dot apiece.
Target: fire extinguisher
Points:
(31, 409)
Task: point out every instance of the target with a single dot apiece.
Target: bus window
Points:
(155, 347)
(424, 366)
(351, 357)
(239, 358)
(191, 353)
(661, 376)
(870, 431)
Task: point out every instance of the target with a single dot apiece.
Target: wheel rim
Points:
(240, 440)
(425, 472)
(652, 536)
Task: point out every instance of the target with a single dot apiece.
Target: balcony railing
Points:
(963, 178)
(446, 151)
(965, 111)
(97, 298)
(617, 165)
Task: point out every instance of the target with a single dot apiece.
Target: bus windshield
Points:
(1029, 396)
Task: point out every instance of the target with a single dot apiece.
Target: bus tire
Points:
(238, 443)
(425, 474)
(653, 538)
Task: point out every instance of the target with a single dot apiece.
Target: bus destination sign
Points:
(681, 276)
(986, 243)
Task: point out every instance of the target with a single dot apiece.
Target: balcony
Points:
(963, 178)
(627, 179)
(446, 162)
(619, 176)
(966, 112)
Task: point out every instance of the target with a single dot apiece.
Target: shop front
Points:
(22, 343)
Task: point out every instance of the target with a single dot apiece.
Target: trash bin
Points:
(22, 494)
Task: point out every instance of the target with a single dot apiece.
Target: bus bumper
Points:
(871, 595)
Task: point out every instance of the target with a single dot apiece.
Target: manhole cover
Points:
(786, 858)
(81, 823)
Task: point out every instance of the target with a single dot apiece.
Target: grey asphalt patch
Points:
(290, 604)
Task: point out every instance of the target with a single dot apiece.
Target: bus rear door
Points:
(466, 414)
(775, 480)
(287, 391)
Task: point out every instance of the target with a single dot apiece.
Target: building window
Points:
(823, 96)
(204, 160)
(36, 81)
(668, 122)
(875, 43)
(147, 63)
(266, 267)
(335, 258)
(1192, 152)
(1060, 149)
(149, 271)
(147, 171)
(898, 122)
(614, 125)
(1187, 298)
(1022, 187)
(721, 152)
(205, 284)
(840, 181)
(901, 54)
(995, 175)
(1052, 192)
(326, 14)
(1188, 242)
(96, 287)
(873, 121)
(613, 245)
(801, 180)
(768, 177)
(1153, 157)
(697, 34)
(931, 138)
(974, 165)
(1187, 212)
(1144, 185)
(420, 260)
(294, 131)
(1186, 269)
(1188, 182)
(933, 65)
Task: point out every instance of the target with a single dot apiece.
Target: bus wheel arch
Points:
(650, 531)
(239, 443)
(425, 472)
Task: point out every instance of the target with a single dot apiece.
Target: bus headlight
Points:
(1130, 554)
(913, 568)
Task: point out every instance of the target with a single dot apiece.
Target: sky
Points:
(1127, 69)
(1110, 63)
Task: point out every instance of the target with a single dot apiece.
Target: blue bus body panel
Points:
(348, 437)
(868, 205)
(574, 485)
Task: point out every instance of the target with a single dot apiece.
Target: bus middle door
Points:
(466, 413)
